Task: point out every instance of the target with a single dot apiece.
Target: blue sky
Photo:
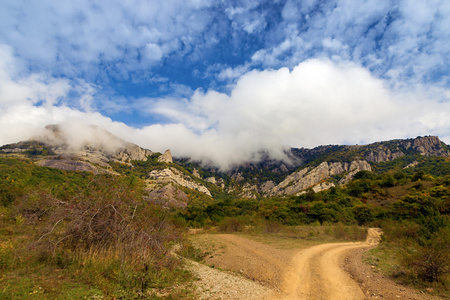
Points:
(220, 80)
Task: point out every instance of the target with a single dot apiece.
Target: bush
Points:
(230, 224)
(108, 217)
(106, 233)
(433, 260)
(349, 233)
(363, 214)
(365, 175)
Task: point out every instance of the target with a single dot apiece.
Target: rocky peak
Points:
(196, 173)
(131, 152)
(90, 142)
(429, 146)
(166, 157)
(382, 155)
(237, 177)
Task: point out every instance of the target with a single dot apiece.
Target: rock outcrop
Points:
(429, 146)
(94, 144)
(166, 157)
(196, 173)
(237, 177)
(175, 176)
(131, 152)
(168, 196)
(70, 165)
(267, 186)
(354, 167)
(388, 151)
(219, 182)
(383, 155)
(249, 191)
(306, 178)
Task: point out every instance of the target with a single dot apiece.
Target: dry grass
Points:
(105, 241)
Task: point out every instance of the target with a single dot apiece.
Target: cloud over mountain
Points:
(221, 80)
(318, 102)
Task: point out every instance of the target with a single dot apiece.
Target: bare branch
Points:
(49, 231)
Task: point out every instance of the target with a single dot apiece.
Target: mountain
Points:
(90, 150)
(179, 181)
(320, 168)
(95, 150)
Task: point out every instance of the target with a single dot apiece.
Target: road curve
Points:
(315, 273)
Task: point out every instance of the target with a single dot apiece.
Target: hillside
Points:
(319, 169)
(106, 213)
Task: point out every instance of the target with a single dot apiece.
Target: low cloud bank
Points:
(318, 102)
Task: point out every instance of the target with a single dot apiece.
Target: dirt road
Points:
(262, 270)
(316, 273)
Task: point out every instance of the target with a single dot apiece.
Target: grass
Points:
(83, 275)
(315, 232)
(391, 259)
(96, 247)
(44, 282)
(287, 237)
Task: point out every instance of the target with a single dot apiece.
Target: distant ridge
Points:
(93, 149)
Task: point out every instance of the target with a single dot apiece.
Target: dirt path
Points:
(316, 273)
(258, 270)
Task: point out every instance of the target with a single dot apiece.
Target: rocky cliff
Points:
(131, 152)
(388, 151)
(173, 175)
(317, 177)
(167, 196)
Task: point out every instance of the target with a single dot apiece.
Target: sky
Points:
(220, 80)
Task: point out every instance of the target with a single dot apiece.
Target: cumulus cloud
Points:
(409, 38)
(124, 40)
(318, 102)
(120, 36)
(297, 73)
(28, 103)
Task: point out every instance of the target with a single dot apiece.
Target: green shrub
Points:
(431, 261)
(230, 224)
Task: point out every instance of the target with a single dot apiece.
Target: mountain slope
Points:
(92, 149)
(95, 150)
(319, 168)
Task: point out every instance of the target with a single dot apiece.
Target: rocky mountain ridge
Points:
(303, 169)
(322, 167)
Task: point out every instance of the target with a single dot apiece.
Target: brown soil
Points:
(374, 284)
(258, 270)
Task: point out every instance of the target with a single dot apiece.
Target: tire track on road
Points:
(315, 273)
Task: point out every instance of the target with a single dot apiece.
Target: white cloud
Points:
(28, 103)
(74, 38)
(317, 102)
(153, 52)
(408, 37)
(335, 72)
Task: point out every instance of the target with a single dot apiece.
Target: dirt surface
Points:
(374, 284)
(316, 273)
(217, 284)
(257, 270)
